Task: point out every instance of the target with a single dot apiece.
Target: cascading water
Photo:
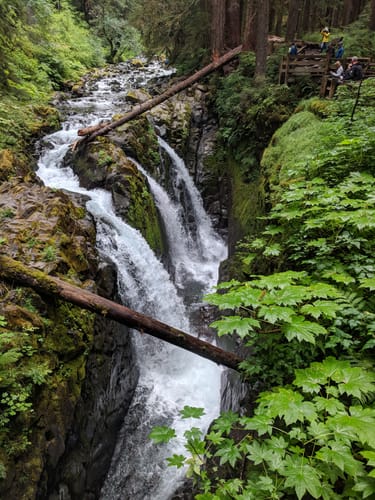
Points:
(170, 378)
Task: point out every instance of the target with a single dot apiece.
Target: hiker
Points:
(293, 51)
(338, 72)
(325, 39)
(340, 50)
(354, 70)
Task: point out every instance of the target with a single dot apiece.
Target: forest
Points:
(296, 291)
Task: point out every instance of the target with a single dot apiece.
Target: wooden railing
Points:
(312, 65)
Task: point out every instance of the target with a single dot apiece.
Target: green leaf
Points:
(302, 330)
(355, 381)
(324, 291)
(279, 280)
(225, 422)
(214, 437)
(162, 434)
(341, 456)
(192, 412)
(176, 461)
(272, 250)
(326, 308)
(260, 423)
(368, 283)
(289, 296)
(274, 314)
(231, 324)
(288, 404)
(359, 426)
(228, 452)
(370, 455)
(259, 453)
(302, 477)
(366, 486)
(331, 406)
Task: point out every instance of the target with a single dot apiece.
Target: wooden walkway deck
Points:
(317, 66)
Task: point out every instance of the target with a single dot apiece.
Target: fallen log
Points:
(15, 271)
(93, 128)
(178, 87)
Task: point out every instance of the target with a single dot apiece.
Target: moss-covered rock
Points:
(44, 343)
(104, 164)
(138, 140)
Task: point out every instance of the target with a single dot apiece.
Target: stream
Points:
(170, 377)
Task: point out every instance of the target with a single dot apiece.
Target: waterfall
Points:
(170, 377)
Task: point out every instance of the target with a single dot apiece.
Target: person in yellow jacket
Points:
(325, 39)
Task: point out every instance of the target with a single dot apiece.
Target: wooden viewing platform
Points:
(329, 84)
(313, 64)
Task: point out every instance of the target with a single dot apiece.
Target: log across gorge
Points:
(15, 271)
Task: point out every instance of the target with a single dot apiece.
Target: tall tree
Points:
(233, 24)
(248, 30)
(293, 19)
(306, 17)
(372, 16)
(262, 22)
(217, 27)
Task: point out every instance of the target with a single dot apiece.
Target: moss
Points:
(291, 149)
(140, 142)
(143, 215)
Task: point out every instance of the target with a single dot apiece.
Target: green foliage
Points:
(162, 434)
(42, 49)
(175, 28)
(315, 439)
(49, 254)
(20, 372)
(110, 21)
(249, 112)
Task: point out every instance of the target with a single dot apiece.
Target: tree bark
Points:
(15, 271)
(248, 30)
(233, 24)
(292, 23)
(306, 18)
(347, 12)
(262, 38)
(145, 106)
(217, 28)
(372, 16)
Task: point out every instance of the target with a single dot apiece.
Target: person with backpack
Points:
(293, 51)
(354, 71)
(340, 50)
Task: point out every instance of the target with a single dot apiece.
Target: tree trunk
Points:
(292, 23)
(279, 20)
(347, 12)
(262, 38)
(15, 271)
(145, 106)
(372, 16)
(306, 19)
(248, 30)
(217, 28)
(233, 24)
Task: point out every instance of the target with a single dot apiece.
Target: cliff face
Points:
(63, 366)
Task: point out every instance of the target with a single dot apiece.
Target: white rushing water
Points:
(170, 377)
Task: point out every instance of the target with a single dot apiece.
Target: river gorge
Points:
(166, 283)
